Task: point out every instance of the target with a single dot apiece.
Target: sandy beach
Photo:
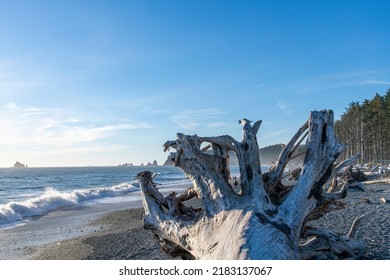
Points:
(119, 234)
(120, 237)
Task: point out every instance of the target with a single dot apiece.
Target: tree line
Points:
(365, 129)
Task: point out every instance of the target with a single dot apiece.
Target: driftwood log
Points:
(262, 219)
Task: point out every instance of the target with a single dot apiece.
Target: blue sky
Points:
(108, 82)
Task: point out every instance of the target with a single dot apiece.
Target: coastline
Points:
(118, 234)
(23, 242)
(19, 242)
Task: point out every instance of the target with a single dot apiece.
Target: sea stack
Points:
(19, 165)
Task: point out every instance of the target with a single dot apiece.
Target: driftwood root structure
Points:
(263, 218)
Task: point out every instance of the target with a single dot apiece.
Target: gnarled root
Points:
(323, 244)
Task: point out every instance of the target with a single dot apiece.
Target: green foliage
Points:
(365, 129)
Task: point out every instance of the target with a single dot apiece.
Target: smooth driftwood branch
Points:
(275, 173)
(337, 169)
(264, 220)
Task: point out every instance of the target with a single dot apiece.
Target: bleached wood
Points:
(337, 195)
(355, 224)
(383, 181)
(336, 171)
(275, 173)
(265, 220)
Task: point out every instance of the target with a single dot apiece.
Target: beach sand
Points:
(120, 234)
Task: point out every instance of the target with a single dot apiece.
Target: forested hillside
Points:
(365, 129)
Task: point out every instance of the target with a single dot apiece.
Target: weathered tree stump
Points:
(357, 176)
(265, 219)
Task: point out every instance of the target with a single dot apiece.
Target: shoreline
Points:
(20, 242)
(117, 233)
(17, 243)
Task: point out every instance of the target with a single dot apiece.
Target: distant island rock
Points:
(20, 165)
(126, 164)
(152, 164)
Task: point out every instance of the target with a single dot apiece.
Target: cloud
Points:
(219, 124)
(276, 133)
(23, 111)
(288, 107)
(375, 82)
(33, 126)
(192, 119)
(283, 106)
(148, 110)
(62, 133)
(260, 85)
(342, 80)
(73, 120)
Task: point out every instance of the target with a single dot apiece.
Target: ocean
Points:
(29, 192)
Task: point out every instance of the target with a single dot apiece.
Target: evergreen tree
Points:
(365, 129)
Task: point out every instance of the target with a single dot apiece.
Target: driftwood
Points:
(357, 175)
(383, 181)
(338, 168)
(264, 219)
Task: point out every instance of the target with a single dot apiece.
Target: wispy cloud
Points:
(220, 124)
(283, 105)
(73, 120)
(375, 82)
(274, 134)
(23, 111)
(148, 110)
(63, 133)
(29, 125)
(289, 107)
(192, 119)
(342, 80)
(260, 85)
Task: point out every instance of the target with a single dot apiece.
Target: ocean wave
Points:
(173, 182)
(51, 199)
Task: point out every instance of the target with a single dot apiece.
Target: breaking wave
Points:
(51, 199)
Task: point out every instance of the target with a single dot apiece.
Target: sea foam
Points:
(51, 199)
